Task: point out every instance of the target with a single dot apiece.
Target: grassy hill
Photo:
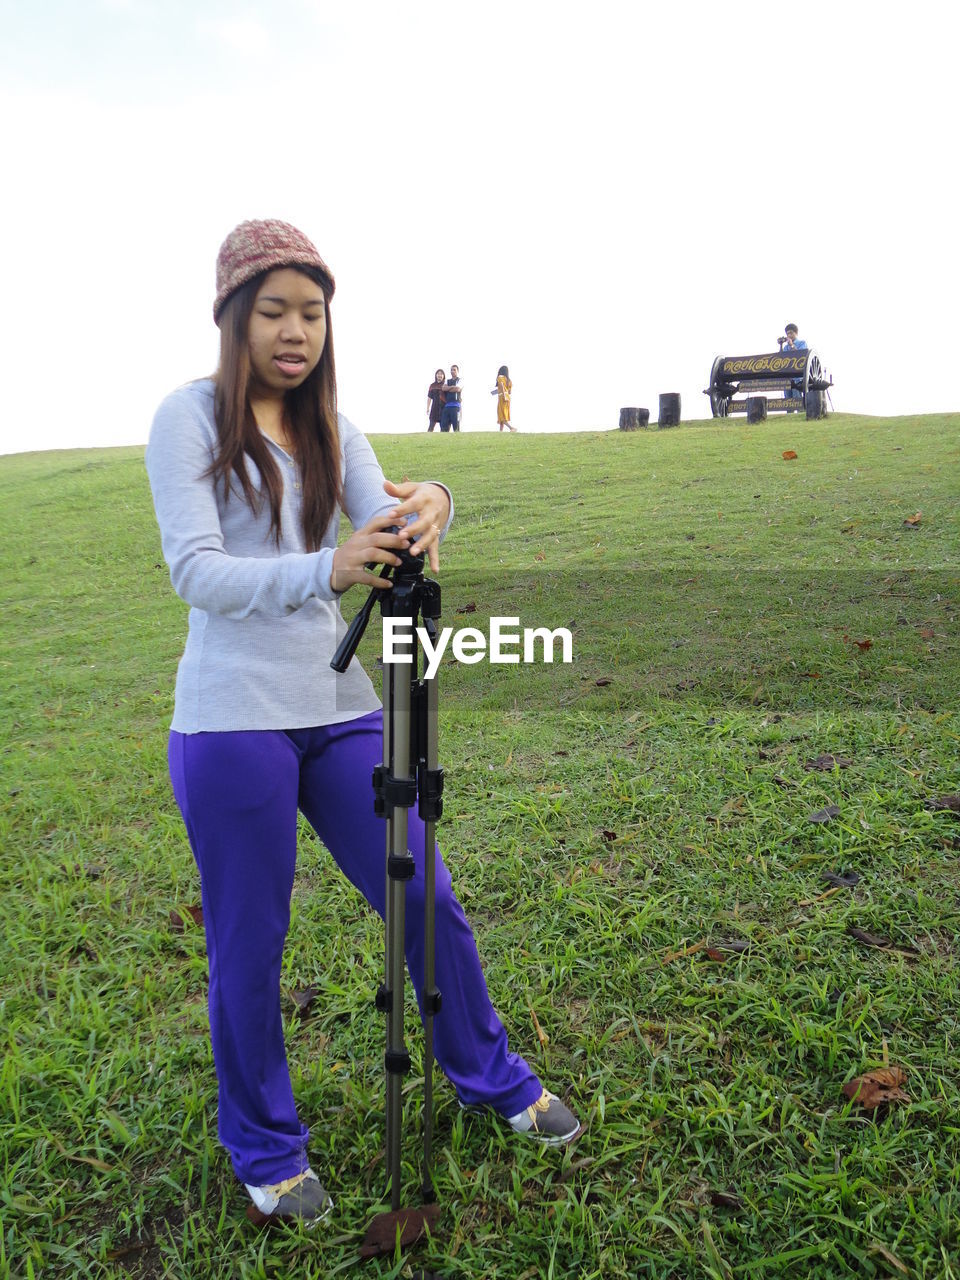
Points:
(713, 926)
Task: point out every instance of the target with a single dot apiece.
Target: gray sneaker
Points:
(547, 1120)
(301, 1199)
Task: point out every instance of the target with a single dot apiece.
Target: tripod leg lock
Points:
(431, 794)
(390, 792)
(431, 1001)
(400, 866)
(384, 999)
(397, 1061)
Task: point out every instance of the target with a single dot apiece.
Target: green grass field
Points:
(712, 934)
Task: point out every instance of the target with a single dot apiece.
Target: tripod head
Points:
(406, 577)
(410, 567)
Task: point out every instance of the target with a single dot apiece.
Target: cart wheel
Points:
(718, 401)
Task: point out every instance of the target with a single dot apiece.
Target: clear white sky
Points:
(603, 195)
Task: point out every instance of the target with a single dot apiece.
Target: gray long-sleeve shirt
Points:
(264, 621)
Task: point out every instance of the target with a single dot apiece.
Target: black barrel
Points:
(669, 409)
(756, 408)
(631, 419)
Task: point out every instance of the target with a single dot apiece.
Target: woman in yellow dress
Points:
(502, 392)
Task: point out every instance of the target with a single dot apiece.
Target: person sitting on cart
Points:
(789, 344)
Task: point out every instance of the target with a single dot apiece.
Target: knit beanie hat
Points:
(255, 247)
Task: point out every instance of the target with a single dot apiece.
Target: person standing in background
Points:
(452, 392)
(435, 399)
(502, 392)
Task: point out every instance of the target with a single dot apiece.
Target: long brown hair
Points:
(310, 414)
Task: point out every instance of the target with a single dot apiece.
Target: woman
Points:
(435, 399)
(250, 471)
(502, 392)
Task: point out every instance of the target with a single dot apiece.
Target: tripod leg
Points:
(430, 779)
(431, 995)
(396, 734)
(409, 766)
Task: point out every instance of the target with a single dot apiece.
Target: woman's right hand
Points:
(369, 545)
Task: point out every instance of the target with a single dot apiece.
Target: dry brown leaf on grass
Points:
(912, 521)
(125, 1250)
(826, 763)
(821, 897)
(876, 1088)
(826, 814)
(92, 1161)
(177, 922)
(90, 870)
(841, 879)
(892, 1258)
(731, 810)
(594, 869)
(788, 455)
(882, 944)
(683, 952)
(407, 1225)
(943, 804)
(304, 1000)
(720, 952)
(541, 1034)
(726, 1200)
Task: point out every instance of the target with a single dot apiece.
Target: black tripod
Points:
(408, 775)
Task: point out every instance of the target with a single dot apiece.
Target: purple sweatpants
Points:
(239, 794)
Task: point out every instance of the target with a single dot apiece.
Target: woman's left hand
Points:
(432, 507)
